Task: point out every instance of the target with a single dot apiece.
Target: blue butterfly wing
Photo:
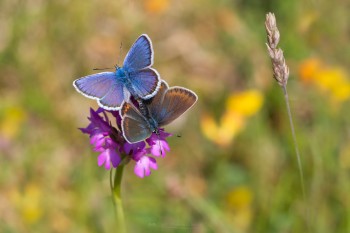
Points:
(134, 126)
(175, 102)
(140, 55)
(104, 87)
(114, 98)
(95, 86)
(145, 83)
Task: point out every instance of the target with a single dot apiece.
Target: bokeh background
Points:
(232, 170)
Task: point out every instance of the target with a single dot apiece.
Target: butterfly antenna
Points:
(102, 68)
(120, 52)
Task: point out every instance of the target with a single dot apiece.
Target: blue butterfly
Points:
(162, 109)
(136, 78)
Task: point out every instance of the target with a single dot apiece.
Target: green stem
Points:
(117, 199)
(301, 174)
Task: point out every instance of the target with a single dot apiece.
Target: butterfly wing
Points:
(95, 86)
(176, 101)
(135, 127)
(157, 100)
(145, 83)
(114, 98)
(104, 87)
(140, 55)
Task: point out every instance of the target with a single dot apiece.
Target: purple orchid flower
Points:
(109, 141)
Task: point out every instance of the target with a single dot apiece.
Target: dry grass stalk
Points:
(279, 66)
(281, 74)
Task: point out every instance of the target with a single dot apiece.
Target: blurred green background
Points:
(234, 168)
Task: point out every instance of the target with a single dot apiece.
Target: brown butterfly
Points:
(167, 105)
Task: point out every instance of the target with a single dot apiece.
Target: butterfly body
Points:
(152, 124)
(167, 105)
(136, 78)
(121, 73)
(123, 76)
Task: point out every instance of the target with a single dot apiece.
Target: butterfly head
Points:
(120, 72)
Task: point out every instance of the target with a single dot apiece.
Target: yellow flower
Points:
(222, 134)
(334, 82)
(239, 205)
(239, 198)
(246, 103)
(231, 125)
(331, 80)
(238, 108)
(28, 203)
(209, 127)
(11, 122)
(342, 93)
